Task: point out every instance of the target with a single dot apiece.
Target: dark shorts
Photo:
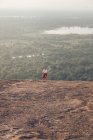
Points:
(44, 75)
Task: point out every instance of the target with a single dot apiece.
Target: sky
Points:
(47, 4)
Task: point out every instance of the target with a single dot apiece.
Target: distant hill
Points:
(46, 110)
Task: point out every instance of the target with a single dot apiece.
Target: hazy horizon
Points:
(29, 12)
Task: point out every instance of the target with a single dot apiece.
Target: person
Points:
(44, 74)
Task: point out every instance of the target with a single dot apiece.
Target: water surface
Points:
(70, 30)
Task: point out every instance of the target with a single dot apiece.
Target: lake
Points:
(70, 30)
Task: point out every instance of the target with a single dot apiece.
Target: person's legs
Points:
(45, 76)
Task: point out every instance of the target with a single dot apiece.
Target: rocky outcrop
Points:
(46, 110)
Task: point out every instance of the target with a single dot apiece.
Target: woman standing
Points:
(44, 74)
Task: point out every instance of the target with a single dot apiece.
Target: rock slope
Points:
(46, 110)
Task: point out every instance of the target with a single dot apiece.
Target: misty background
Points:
(47, 4)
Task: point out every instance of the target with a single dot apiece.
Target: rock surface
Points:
(46, 110)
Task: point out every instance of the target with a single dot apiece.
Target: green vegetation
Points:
(68, 57)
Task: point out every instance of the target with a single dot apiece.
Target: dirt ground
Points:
(46, 110)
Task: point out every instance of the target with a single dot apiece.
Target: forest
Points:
(25, 49)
